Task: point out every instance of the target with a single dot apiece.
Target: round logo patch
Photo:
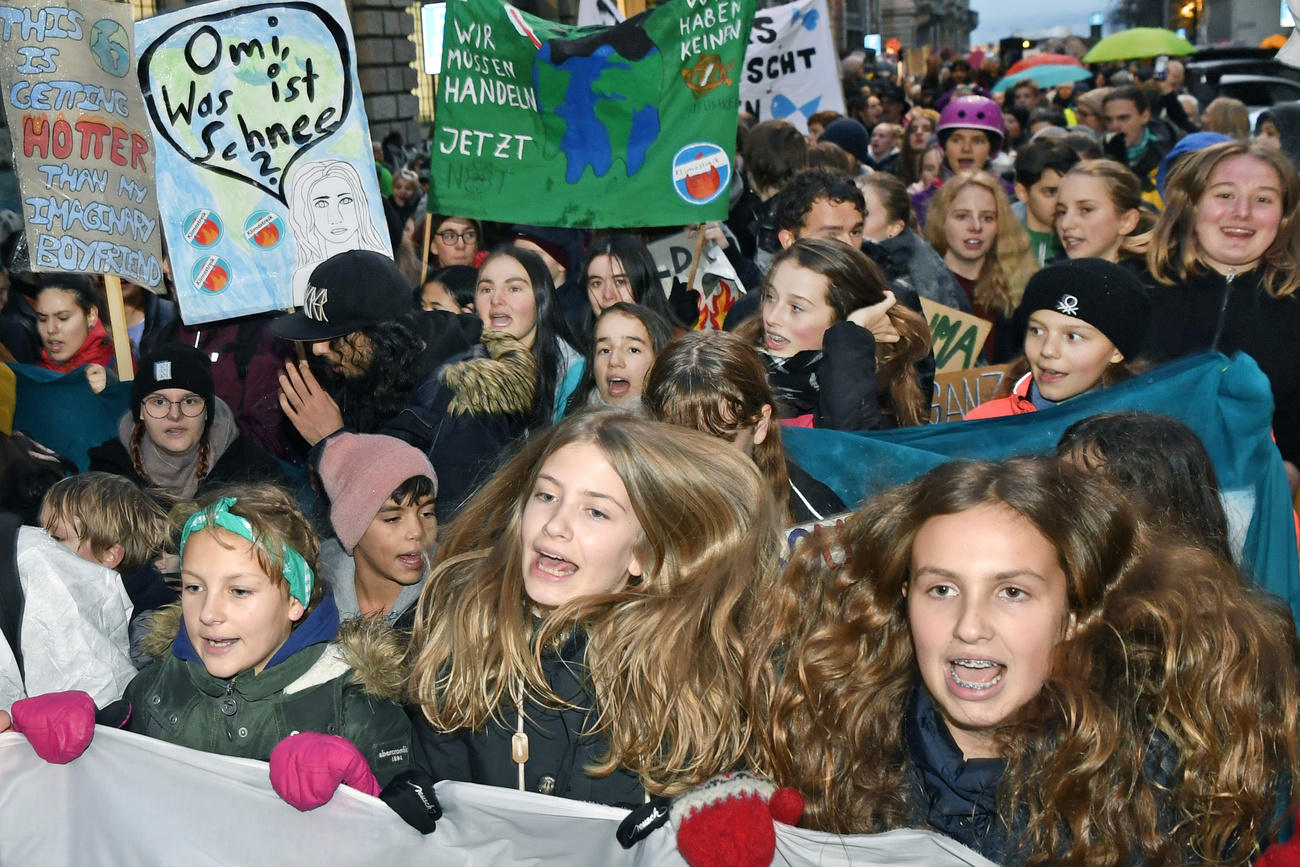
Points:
(203, 227)
(263, 229)
(211, 274)
(701, 172)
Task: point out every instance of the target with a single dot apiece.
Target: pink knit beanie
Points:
(360, 472)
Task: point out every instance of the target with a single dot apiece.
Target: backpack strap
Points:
(11, 588)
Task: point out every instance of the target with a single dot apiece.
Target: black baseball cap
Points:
(345, 293)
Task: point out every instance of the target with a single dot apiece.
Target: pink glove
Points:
(307, 768)
(728, 821)
(59, 725)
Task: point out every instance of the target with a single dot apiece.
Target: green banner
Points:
(547, 124)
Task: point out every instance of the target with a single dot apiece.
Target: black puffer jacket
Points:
(558, 750)
(1237, 315)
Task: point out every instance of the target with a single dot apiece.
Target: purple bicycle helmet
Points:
(972, 112)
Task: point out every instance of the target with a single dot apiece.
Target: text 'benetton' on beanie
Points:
(360, 472)
(1105, 295)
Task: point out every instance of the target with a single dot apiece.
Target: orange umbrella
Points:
(1275, 42)
(1047, 59)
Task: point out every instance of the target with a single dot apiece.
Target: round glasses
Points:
(469, 236)
(191, 406)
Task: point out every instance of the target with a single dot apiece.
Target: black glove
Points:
(411, 796)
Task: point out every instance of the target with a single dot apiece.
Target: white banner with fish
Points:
(790, 69)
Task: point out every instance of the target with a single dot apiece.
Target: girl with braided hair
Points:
(179, 436)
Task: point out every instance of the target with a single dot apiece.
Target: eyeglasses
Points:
(157, 406)
(469, 236)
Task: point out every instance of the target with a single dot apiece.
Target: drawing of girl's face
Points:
(334, 210)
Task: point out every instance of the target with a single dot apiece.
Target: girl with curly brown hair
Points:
(995, 651)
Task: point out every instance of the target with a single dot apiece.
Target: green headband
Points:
(296, 570)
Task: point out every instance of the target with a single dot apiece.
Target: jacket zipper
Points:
(1223, 309)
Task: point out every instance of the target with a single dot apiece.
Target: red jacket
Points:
(1016, 403)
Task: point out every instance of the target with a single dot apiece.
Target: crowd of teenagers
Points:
(515, 518)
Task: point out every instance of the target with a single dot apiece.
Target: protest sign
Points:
(631, 125)
(189, 807)
(82, 149)
(714, 279)
(790, 68)
(960, 391)
(958, 337)
(263, 149)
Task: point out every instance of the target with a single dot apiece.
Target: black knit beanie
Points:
(1103, 294)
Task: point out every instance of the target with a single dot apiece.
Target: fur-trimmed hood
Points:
(373, 650)
(501, 383)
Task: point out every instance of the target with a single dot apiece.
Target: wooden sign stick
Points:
(117, 323)
(695, 260)
(424, 251)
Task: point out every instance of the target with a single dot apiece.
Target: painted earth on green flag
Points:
(578, 82)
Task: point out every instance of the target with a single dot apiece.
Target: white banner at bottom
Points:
(132, 800)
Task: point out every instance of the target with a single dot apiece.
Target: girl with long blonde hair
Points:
(583, 627)
(972, 227)
(995, 651)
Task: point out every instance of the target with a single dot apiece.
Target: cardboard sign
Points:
(82, 149)
(790, 68)
(554, 125)
(958, 337)
(715, 279)
(958, 392)
(263, 148)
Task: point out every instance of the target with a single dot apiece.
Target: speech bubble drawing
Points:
(244, 93)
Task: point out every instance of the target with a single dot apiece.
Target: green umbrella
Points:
(1139, 42)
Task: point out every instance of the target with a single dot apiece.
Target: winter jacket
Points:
(558, 750)
(322, 680)
(1015, 403)
(847, 394)
(242, 461)
(956, 797)
(910, 257)
(467, 416)
(73, 631)
(1234, 315)
(810, 499)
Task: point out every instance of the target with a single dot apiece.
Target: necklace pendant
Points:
(519, 748)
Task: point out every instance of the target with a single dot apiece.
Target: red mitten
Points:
(307, 768)
(728, 821)
(1282, 854)
(59, 725)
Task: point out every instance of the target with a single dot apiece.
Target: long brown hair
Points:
(715, 382)
(664, 654)
(1166, 662)
(1174, 257)
(854, 282)
(1008, 265)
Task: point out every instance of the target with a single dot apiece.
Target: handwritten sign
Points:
(960, 391)
(263, 147)
(958, 337)
(715, 279)
(83, 152)
(790, 67)
(630, 125)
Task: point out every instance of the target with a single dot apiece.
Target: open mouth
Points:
(976, 674)
(218, 645)
(776, 342)
(618, 387)
(553, 565)
(500, 323)
(1048, 375)
(411, 561)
